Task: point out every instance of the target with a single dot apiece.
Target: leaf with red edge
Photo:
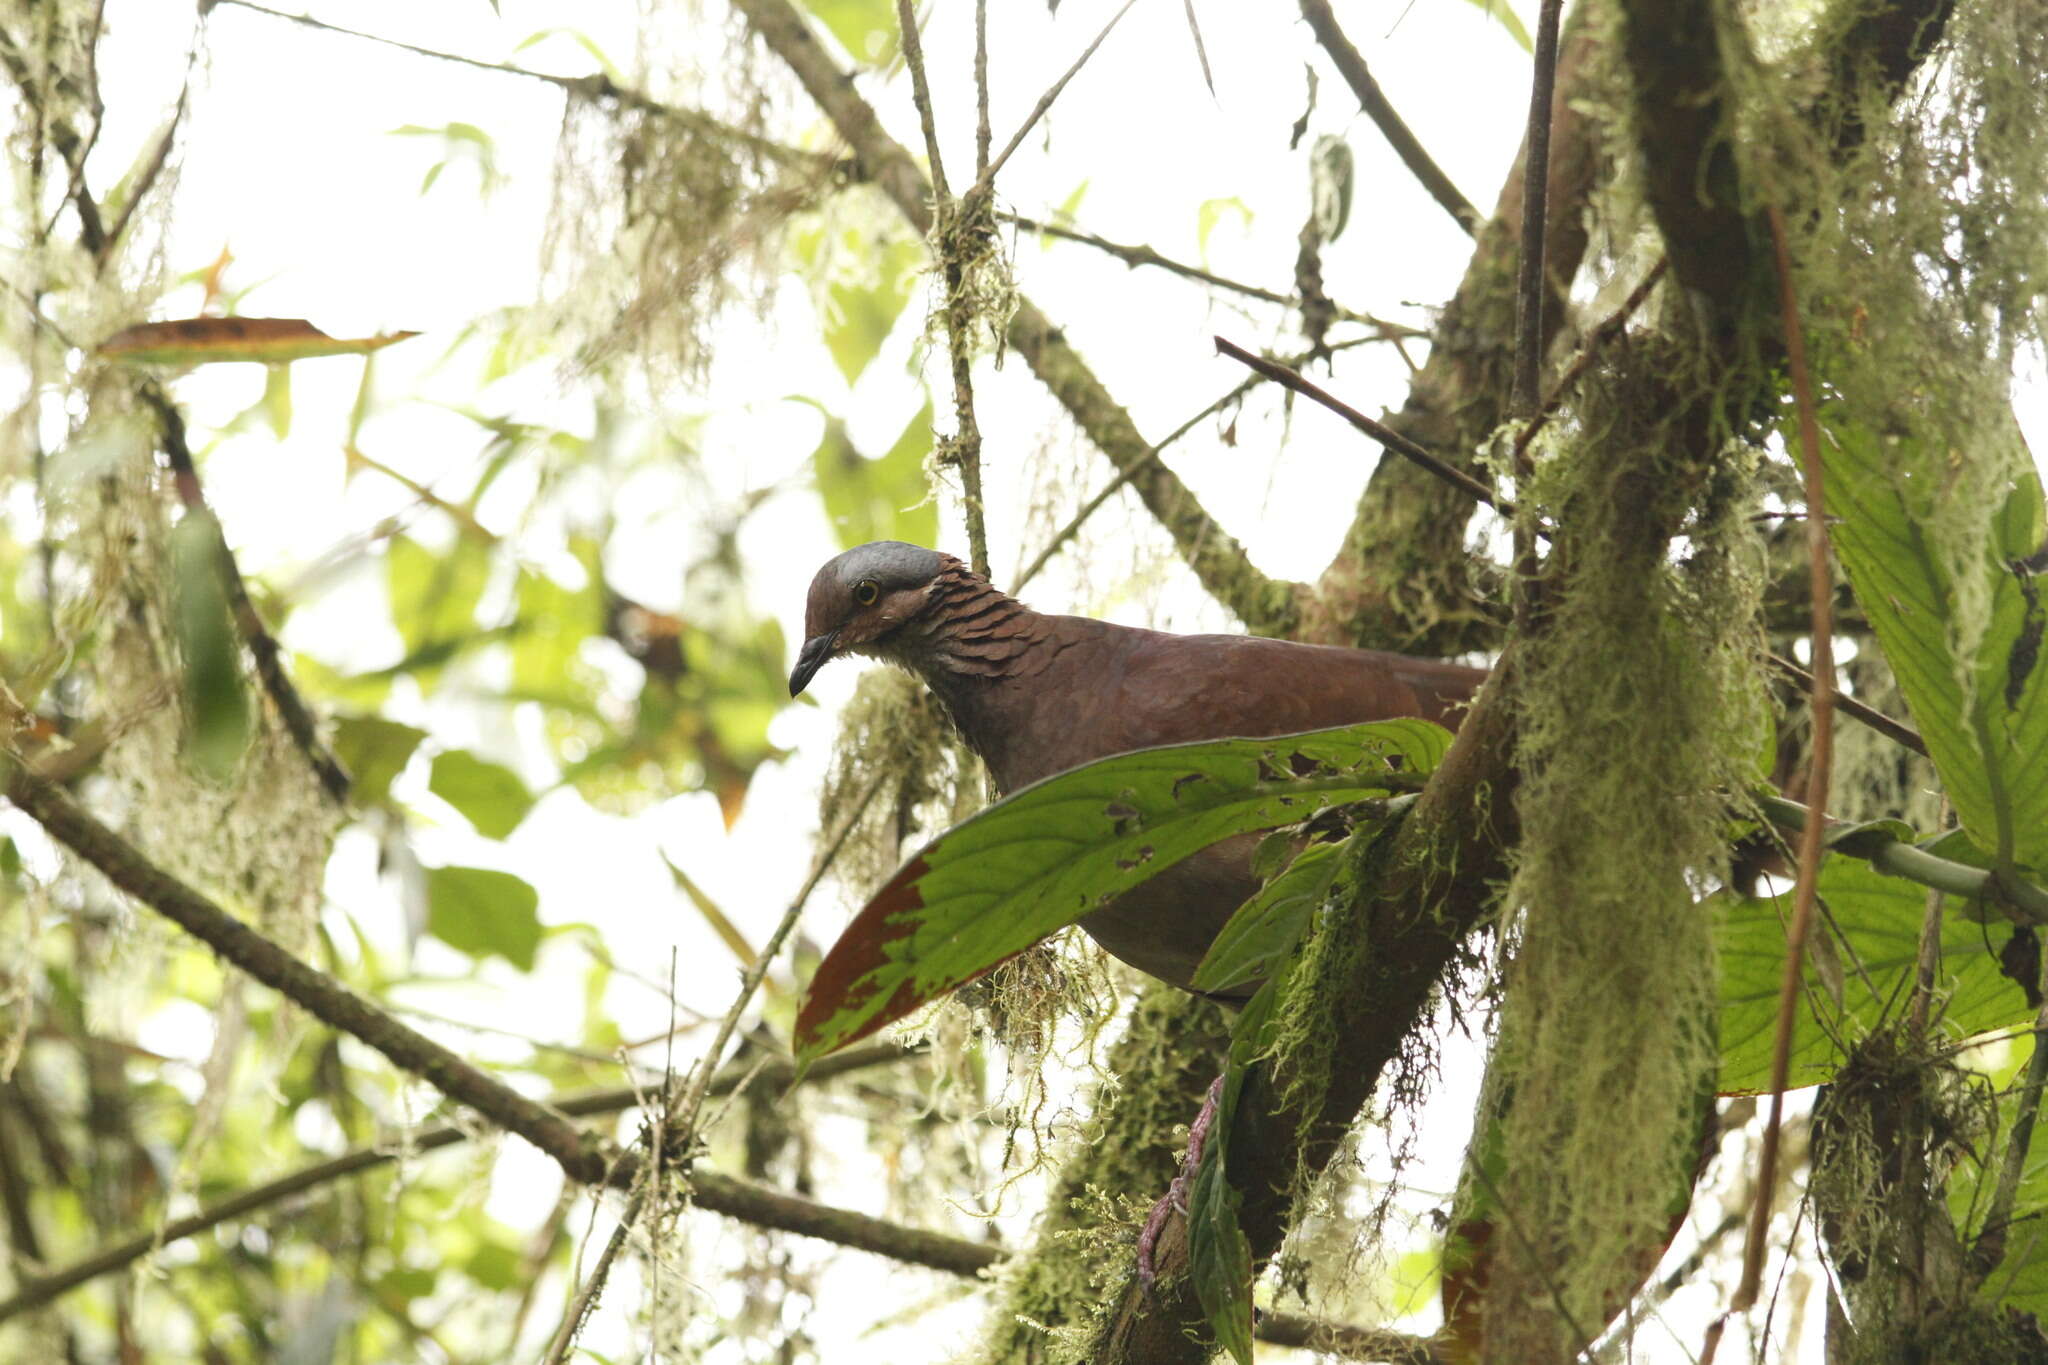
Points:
(1059, 849)
(269, 341)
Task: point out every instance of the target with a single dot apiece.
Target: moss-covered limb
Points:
(1683, 114)
(1267, 606)
(1050, 1302)
(1673, 50)
(1402, 578)
(1382, 965)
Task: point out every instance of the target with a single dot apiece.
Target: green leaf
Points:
(375, 751)
(1219, 1257)
(218, 721)
(1502, 13)
(1976, 693)
(434, 598)
(881, 499)
(1211, 213)
(860, 317)
(2021, 1279)
(1057, 850)
(1879, 918)
(482, 911)
(489, 795)
(865, 28)
(277, 399)
(1266, 928)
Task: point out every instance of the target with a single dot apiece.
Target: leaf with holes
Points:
(1045, 857)
(1875, 922)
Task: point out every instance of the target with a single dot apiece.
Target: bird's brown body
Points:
(1035, 695)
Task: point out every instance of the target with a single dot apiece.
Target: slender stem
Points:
(1345, 56)
(1896, 731)
(1609, 328)
(1821, 705)
(1529, 293)
(598, 85)
(982, 136)
(1379, 431)
(1045, 101)
(1144, 255)
(921, 96)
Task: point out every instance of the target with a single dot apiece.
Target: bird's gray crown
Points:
(890, 563)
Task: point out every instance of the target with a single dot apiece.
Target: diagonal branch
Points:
(1352, 66)
(38, 1290)
(263, 646)
(1267, 606)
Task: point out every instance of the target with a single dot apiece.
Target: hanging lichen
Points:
(1639, 719)
(663, 220)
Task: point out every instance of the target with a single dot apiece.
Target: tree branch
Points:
(263, 646)
(314, 991)
(34, 1292)
(1135, 256)
(1265, 605)
(1401, 578)
(1351, 65)
(1445, 864)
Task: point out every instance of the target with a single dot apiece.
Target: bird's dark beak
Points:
(809, 660)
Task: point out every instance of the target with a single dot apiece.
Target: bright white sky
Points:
(289, 160)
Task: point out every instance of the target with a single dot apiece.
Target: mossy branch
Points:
(1267, 606)
(1442, 870)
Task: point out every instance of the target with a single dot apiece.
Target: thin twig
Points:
(1045, 101)
(1135, 256)
(921, 96)
(982, 136)
(1589, 350)
(593, 1285)
(954, 235)
(1109, 490)
(1345, 56)
(263, 646)
(1896, 731)
(596, 86)
(1810, 840)
(1529, 292)
(684, 1113)
(1379, 431)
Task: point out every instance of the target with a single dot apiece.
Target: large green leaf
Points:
(1974, 688)
(375, 751)
(1042, 859)
(490, 796)
(1879, 919)
(482, 911)
(880, 499)
(1266, 927)
(2021, 1278)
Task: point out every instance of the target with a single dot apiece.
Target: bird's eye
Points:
(865, 592)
